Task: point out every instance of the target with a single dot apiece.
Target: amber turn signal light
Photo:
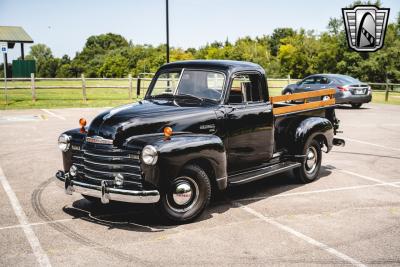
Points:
(82, 123)
(167, 131)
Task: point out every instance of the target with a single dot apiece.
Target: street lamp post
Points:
(167, 24)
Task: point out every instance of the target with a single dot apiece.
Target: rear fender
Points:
(309, 128)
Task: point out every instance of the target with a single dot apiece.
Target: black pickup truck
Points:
(202, 126)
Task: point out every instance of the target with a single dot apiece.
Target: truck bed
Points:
(283, 104)
(287, 113)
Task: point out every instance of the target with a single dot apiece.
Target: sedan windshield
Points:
(199, 84)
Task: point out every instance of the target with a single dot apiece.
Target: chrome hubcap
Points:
(182, 193)
(311, 160)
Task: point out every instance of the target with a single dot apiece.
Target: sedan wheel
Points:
(356, 105)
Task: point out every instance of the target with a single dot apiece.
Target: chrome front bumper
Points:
(105, 191)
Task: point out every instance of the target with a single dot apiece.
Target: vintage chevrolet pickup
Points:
(202, 126)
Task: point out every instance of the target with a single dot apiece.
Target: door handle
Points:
(323, 87)
(308, 87)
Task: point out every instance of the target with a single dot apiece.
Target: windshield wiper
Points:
(191, 96)
(163, 95)
(202, 99)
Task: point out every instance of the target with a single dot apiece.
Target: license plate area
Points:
(359, 91)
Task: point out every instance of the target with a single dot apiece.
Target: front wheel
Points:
(309, 169)
(186, 196)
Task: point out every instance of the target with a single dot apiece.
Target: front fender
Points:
(181, 149)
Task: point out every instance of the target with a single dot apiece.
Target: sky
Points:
(64, 25)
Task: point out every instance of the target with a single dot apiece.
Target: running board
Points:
(253, 175)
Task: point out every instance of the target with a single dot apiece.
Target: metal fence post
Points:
(138, 87)
(33, 87)
(5, 77)
(387, 91)
(130, 86)
(288, 79)
(84, 88)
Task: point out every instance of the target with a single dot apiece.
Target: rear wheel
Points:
(186, 196)
(309, 169)
(356, 105)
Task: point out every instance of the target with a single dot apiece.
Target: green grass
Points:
(379, 97)
(105, 97)
(63, 98)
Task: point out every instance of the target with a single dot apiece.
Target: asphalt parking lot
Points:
(351, 215)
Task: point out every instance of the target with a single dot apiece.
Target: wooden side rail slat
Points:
(298, 96)
(305, 106)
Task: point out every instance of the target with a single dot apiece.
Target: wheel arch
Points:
(317, 128)
(206, 165)
(205, 150)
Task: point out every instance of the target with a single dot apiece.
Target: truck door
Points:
(249, 122)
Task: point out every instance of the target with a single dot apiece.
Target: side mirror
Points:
(299, 82)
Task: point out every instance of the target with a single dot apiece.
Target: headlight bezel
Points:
(65, 140)
(149, 155)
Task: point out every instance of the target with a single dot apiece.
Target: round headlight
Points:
(64, 142)
(149, 155)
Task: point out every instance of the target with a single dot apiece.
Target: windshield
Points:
(193, 83)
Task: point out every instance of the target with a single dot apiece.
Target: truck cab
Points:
(203, 126)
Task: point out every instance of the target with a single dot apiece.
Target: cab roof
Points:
(222, 65)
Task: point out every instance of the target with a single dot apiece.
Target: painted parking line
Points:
(53, 114)
(37, 249)
(368, 143)
(38, 223)
(356, 187)
(367, 177)
(301, 236)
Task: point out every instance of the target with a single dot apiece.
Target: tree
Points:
(335, 26)
(46, 65)
(114, 66)
(40, 52)
(276, 37)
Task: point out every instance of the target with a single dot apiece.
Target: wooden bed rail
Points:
(303, 96)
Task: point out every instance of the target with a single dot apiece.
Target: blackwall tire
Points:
(186, 196)
(355, 106)
(309, 169)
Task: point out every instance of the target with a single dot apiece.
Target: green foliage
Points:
(285, 51)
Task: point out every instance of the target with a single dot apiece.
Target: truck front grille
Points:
(103, 162)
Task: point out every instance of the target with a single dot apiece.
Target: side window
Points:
(310, 80)
(325, 80)
(245, 88)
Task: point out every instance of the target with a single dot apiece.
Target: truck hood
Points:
(151, 116)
